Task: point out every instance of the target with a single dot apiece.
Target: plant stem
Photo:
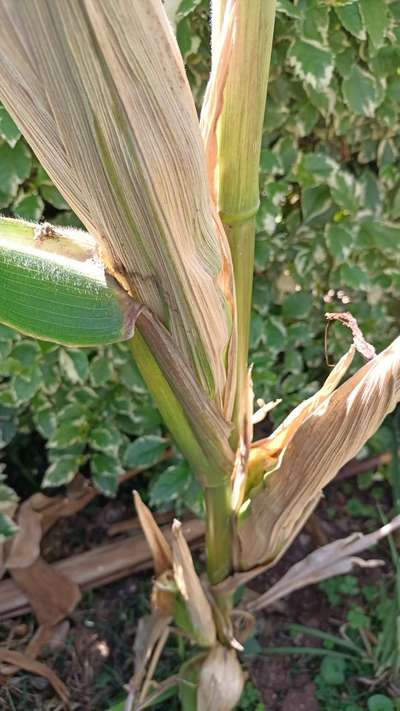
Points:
(168, 405)
(218, 531)
(241, 236)
(239, 134)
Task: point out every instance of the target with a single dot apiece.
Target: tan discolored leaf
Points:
(51, 594)
(22, 661)
(307, 451)
(266, 453)
(102, 97)
(25, 546)
(337, 558)
(221, 681)
(160, 549)
(190, 588)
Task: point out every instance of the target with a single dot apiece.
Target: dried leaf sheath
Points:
(99, 90)
(321, 442)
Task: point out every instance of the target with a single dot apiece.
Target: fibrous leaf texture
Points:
(99, 90)
(308, 449)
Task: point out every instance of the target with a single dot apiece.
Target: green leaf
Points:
(74, 364)
(26, 385)
(8, 528)
(101, 369)
(171, 484)
(68, 434)
(62, 471)
(275, 334)
(188, 42)
(46, 422)
(186, 7)
(353, 277)
(345, 191)
(105, 471)
(312, 63)
(315, 202)
(52, 289)
(8, 130)
(15, 166)
(298, 305)
(29, 206)
(380, 702)
(338, 240)
(350, 17)
(145, 451)
(362, 92)
(51, 195)
(376, 20)
(333, 670)
(106, 439)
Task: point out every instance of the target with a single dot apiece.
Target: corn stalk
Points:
(99, 90)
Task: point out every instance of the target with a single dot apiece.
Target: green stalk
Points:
(239, 135)
(218, 497)
(218, 532)
(168, 405)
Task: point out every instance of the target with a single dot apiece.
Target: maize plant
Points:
(99, 90)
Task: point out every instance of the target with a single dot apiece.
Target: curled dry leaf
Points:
(347, 319)
(51, 594)
(160, 549)
(308, 449)
(34, 667)
(162, 598)
(337, 558)
(221, 680)
(25, 546)
(190, 588)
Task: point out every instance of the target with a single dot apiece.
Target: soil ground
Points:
(93, 652)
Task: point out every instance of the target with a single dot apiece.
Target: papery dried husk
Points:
(315, 441)
(158, 544)
(221, 681)
(99, 90)
(191, 590)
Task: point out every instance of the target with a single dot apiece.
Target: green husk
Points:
(54, 287)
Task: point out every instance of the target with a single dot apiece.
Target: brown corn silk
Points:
(306, 452)
(99, 90)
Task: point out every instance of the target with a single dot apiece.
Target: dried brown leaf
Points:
(34, 667)
(25, 546)
(51, 594)
(160, 549)
(347, 319)
(100, 92)
(317, 442)
(190, 588)
(337, 558)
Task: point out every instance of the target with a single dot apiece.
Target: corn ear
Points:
(53, 286)
(99, 90)
(306, 453)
